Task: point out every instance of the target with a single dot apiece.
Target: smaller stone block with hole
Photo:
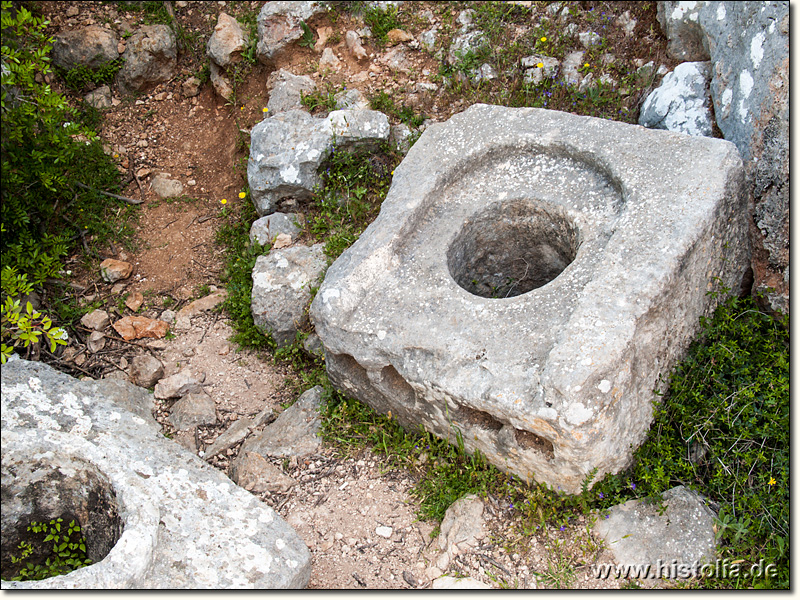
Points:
(531, 279)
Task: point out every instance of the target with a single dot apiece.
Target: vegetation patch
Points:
(52, 548)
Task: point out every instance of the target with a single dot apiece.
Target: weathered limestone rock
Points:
(99, 98)
(91, 47)
(279, 26)
(146, 370)
(531, 276)
(193, 409)
(282, 283)
(286, 91)
(458, 583)
(287, 149)
(164, 187)
(294, 432)
(462, 529)
(228, 41)
(154, 515)
(256, 474)
(353, 42)
(96, 342)
(329, 60)
(112, 270)
(151, 57)
(184, 382)
(96, 320)
(534, 73)
(748, 44)
(237, 432)
(351, 99)
(221, 83)
(265, 229)
(638, 534)
(569, 68)
(681, 102)
(285, 152)
(358, 129)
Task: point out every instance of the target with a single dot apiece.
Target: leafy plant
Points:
(26, 328)
(349, 197)
(82, 77)
(67, 553)
(307, 40)
(46, 152)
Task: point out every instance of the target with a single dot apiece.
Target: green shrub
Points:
(45, 152)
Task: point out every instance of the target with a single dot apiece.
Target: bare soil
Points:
(338, 501)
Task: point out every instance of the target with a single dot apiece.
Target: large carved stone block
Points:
(531, 278)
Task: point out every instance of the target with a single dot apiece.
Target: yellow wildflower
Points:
(772, 481)
(544, 39)
(223, 201)
(265, 109)
(242, 194)
(540, 65)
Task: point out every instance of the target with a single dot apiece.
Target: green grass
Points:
(350, 195)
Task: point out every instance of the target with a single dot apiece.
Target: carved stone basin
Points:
(530, 279)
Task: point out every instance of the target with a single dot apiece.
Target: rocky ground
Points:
(355, 512)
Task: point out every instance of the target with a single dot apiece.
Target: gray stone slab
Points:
(294, 432)
(531, 277)
(639, 532)
(181, 523)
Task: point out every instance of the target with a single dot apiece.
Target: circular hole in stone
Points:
(58, 487)
(512, 247)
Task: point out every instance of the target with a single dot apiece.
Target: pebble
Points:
(384, 531)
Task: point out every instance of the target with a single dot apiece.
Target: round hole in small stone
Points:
(57, 487)
(512, 247)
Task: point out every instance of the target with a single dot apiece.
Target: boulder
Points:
(569, 67)
(286, 91)
(282, 283)
(228, 41)
(639, 532)
(458, 583)
(285, 152)
(193, 409)
(279, 26)
(92, 47)
(531, 278)
(681, 103)
(154, 515)
(151, 57)
(293, 433)
(358, 129)
(748, 45)
(191, 87)
(265, 229)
